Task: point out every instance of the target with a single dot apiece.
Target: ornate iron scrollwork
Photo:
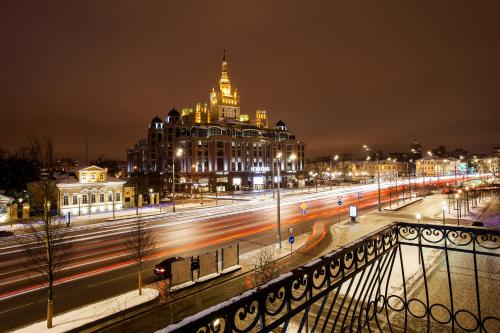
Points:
(399, 278)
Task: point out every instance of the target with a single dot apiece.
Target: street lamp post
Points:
(443, 208)
(272, 180)
(457, 198)
(178, 153)
(379, 205)
(278, 202)
(278, 225)
(467, 197)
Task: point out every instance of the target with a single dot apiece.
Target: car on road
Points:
(164, 268)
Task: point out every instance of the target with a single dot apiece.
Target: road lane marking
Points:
(110, 280)
(17, 307)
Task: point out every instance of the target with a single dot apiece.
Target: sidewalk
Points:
(431, 212)
(286, 249)
(87, 314)
(400, 204)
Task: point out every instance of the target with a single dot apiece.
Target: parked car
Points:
(164, 268)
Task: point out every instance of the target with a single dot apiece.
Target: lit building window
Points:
(92, 198)
(84, 199)
(65, 200)
(118, 196)
(110, 196)
(101, 197)
(75, 199)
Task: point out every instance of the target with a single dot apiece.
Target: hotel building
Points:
(222, 148)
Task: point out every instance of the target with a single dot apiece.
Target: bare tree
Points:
(47, 245)
(141, 244)
(264, 266)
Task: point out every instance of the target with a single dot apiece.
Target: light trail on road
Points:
(100, 250)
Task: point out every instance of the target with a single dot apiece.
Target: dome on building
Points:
(173, 116)
(174, 113)
(156, 120)
(280, 125)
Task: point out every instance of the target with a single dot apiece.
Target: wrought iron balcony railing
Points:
(403, 278)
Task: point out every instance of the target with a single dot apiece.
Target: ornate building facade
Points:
(221, 148)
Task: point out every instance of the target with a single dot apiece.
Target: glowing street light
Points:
(178, 153)
(379, 206)
(279, 156)
(443, 208)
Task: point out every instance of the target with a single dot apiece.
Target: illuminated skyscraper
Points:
(224, 103)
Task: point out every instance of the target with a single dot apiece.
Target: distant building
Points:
(496, 151)
(439, 166)
(90, 189)
(222, 148)
(261, 119)
(485, 165)
(5, 208)
(387, 169)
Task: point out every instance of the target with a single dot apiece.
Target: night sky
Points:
(340, 74)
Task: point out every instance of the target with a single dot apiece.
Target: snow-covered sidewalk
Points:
(90, 313)
(400, 204)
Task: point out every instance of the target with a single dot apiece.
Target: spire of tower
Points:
(225, 84)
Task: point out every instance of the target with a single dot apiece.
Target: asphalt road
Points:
(101, 267)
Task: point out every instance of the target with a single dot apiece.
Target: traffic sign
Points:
(290, 230)
(303, 206)
(339, 202)
(359, 195)
(303, 212)
(291, 239)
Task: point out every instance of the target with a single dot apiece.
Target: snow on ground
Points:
(300, 240)
(90, 313)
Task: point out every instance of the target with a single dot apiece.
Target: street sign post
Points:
(303, 207)
(360, 195)
(340, 204)
(291, 240)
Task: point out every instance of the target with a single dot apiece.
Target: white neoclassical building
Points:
(91, 190)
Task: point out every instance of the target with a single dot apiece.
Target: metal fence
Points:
(403, 278)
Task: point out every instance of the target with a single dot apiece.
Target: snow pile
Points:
(93, 312)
